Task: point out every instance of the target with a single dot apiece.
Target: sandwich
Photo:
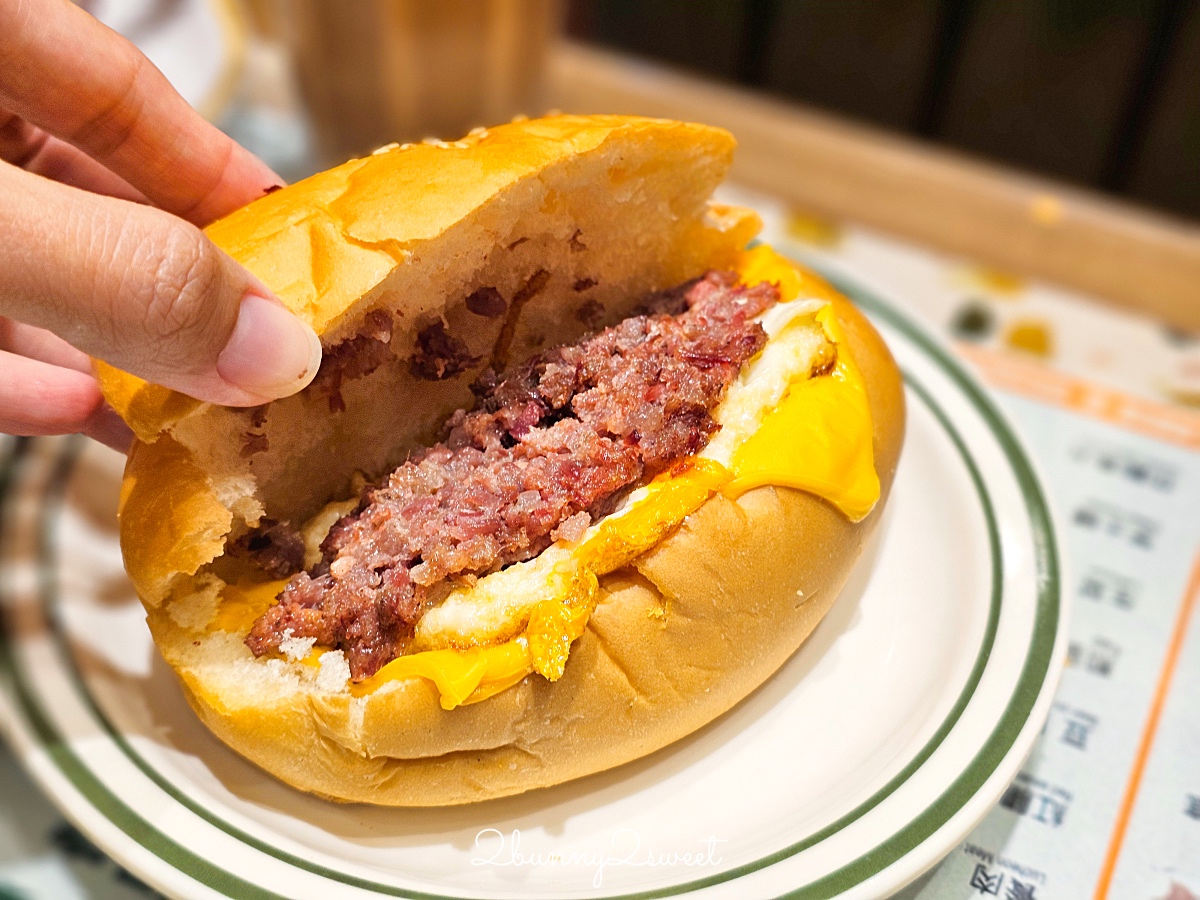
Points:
(581, 468)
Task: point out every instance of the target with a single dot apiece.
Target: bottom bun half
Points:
(677, 639)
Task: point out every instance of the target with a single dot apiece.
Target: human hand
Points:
(107, 177)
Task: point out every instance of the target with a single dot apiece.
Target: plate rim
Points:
(1035, 680)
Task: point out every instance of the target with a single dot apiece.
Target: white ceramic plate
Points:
(864, 760)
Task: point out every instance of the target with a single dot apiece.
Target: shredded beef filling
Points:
(354, 358)
(548, 447)
(273, 546)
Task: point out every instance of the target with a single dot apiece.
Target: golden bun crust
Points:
(663, 653)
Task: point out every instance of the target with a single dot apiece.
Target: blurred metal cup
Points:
(376, 71)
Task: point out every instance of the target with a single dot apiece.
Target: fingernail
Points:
(271, 352)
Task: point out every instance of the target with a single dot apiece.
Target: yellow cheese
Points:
(762, 263)
(241, 604)
(817, 439)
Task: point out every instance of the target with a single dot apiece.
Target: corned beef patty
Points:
(550, 447)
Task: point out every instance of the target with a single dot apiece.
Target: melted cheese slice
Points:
(779, 426)
(818, 439)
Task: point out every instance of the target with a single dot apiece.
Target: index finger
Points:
(65, 72)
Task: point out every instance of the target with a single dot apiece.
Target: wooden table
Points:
(1115, 251)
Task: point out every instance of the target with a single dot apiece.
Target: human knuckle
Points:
(185, 279)
(113, 120)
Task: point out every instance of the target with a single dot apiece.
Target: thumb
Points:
(148, 293)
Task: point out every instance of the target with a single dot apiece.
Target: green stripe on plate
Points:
(59, 750)
(1046, 618)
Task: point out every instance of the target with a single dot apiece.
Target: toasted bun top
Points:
(323, 244)
(603, 209)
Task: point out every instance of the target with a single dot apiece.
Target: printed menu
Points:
(1108, 804)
